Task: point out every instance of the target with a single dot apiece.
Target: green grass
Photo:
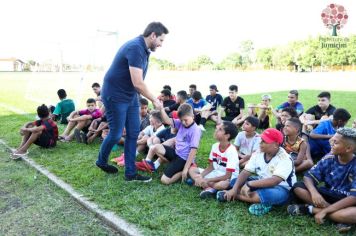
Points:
(32, 205)
(166, 210)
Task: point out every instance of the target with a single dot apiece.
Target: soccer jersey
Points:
(246, 145)
(214, 101)
(63, 109)
(318, 113)
(225, 161)
(197, 105)
(280, 165)
(232, 108)
(149, 130)
(322, 146)
(186, 138)
(297, 106)
(50, 129)
(294, 147)
(340, 178)
(95, 114)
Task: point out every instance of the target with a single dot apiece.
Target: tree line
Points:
(313, 54)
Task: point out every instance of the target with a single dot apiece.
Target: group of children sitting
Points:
(268, 161)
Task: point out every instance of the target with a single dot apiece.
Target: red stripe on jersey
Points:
(230, 170)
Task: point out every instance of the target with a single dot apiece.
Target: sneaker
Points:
(120, 161)
(220, 196)
(108, 168)
(140, 166)
(202, 128)
(77, 136)
(343, 228)
(298, 209)
(149, 166)
(138, 178)
(189, 181)
(207, 193)
(259, 209)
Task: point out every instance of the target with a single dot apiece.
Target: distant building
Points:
(11, 64)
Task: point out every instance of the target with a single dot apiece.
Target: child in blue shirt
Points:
(336, 199)
(319, 137)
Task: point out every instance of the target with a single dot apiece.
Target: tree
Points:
(246, 49)
(231, 62)
(200, 62)
(264, 57)
(334, 17)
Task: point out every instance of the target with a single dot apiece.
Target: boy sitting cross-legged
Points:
(81, 120)
(336, 199)
(182, 156)
(42, 132)
(275, 176)
(224, 163)
(295, 146)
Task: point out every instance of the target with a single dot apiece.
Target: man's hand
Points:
(230, 195)
(319, 201)
(157, 104)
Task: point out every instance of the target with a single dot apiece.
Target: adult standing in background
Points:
(120, 94)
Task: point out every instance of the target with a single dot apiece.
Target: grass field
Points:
(154, 208)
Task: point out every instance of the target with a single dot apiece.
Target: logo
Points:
(334, 17)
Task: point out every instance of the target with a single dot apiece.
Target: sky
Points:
(78, 31)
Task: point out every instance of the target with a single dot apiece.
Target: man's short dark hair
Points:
(291, 111)
(182, 94)
(91, 100)
(61, 93)
(185, 110)
(197, 95)
(341, 114)
(156, 115)
(42, 111)
(167, 87)
(155, 27)
(95, 85)
(166, 92)
(193, 86)
(296, 123)
(295, 92)
(233, 88)
(143, 102)
(230, 128)
(324, 94)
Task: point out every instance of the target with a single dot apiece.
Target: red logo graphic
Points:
(334, 17)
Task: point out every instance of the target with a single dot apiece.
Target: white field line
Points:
(109, 217)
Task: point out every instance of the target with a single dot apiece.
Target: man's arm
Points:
(141, 87)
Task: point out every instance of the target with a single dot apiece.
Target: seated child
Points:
(262, 111)
(182, 156)
(336, 198)
(181, 99)
(319, 137)
(171, 97)
(274, 178)
(144, 114)
(197, 102)
(63, 108)
(166, 98)
(285, 115)
(224, 163)
(42, 132)
(233, 106)
(81, 119)
(150, 131)
(248, 141)
(295, 146)
(292, 102)
(96, 128)
(323, 110)
(214, 100)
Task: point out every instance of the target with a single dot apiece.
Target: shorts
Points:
(329, 196)
(176, 163)
(276, 195)
(165, 134)
(45, 141)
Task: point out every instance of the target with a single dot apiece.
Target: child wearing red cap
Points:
(275, 175)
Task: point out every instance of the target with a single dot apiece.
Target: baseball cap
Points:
(213, 86)
(271, 135)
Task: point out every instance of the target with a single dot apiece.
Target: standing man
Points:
(120, 94)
